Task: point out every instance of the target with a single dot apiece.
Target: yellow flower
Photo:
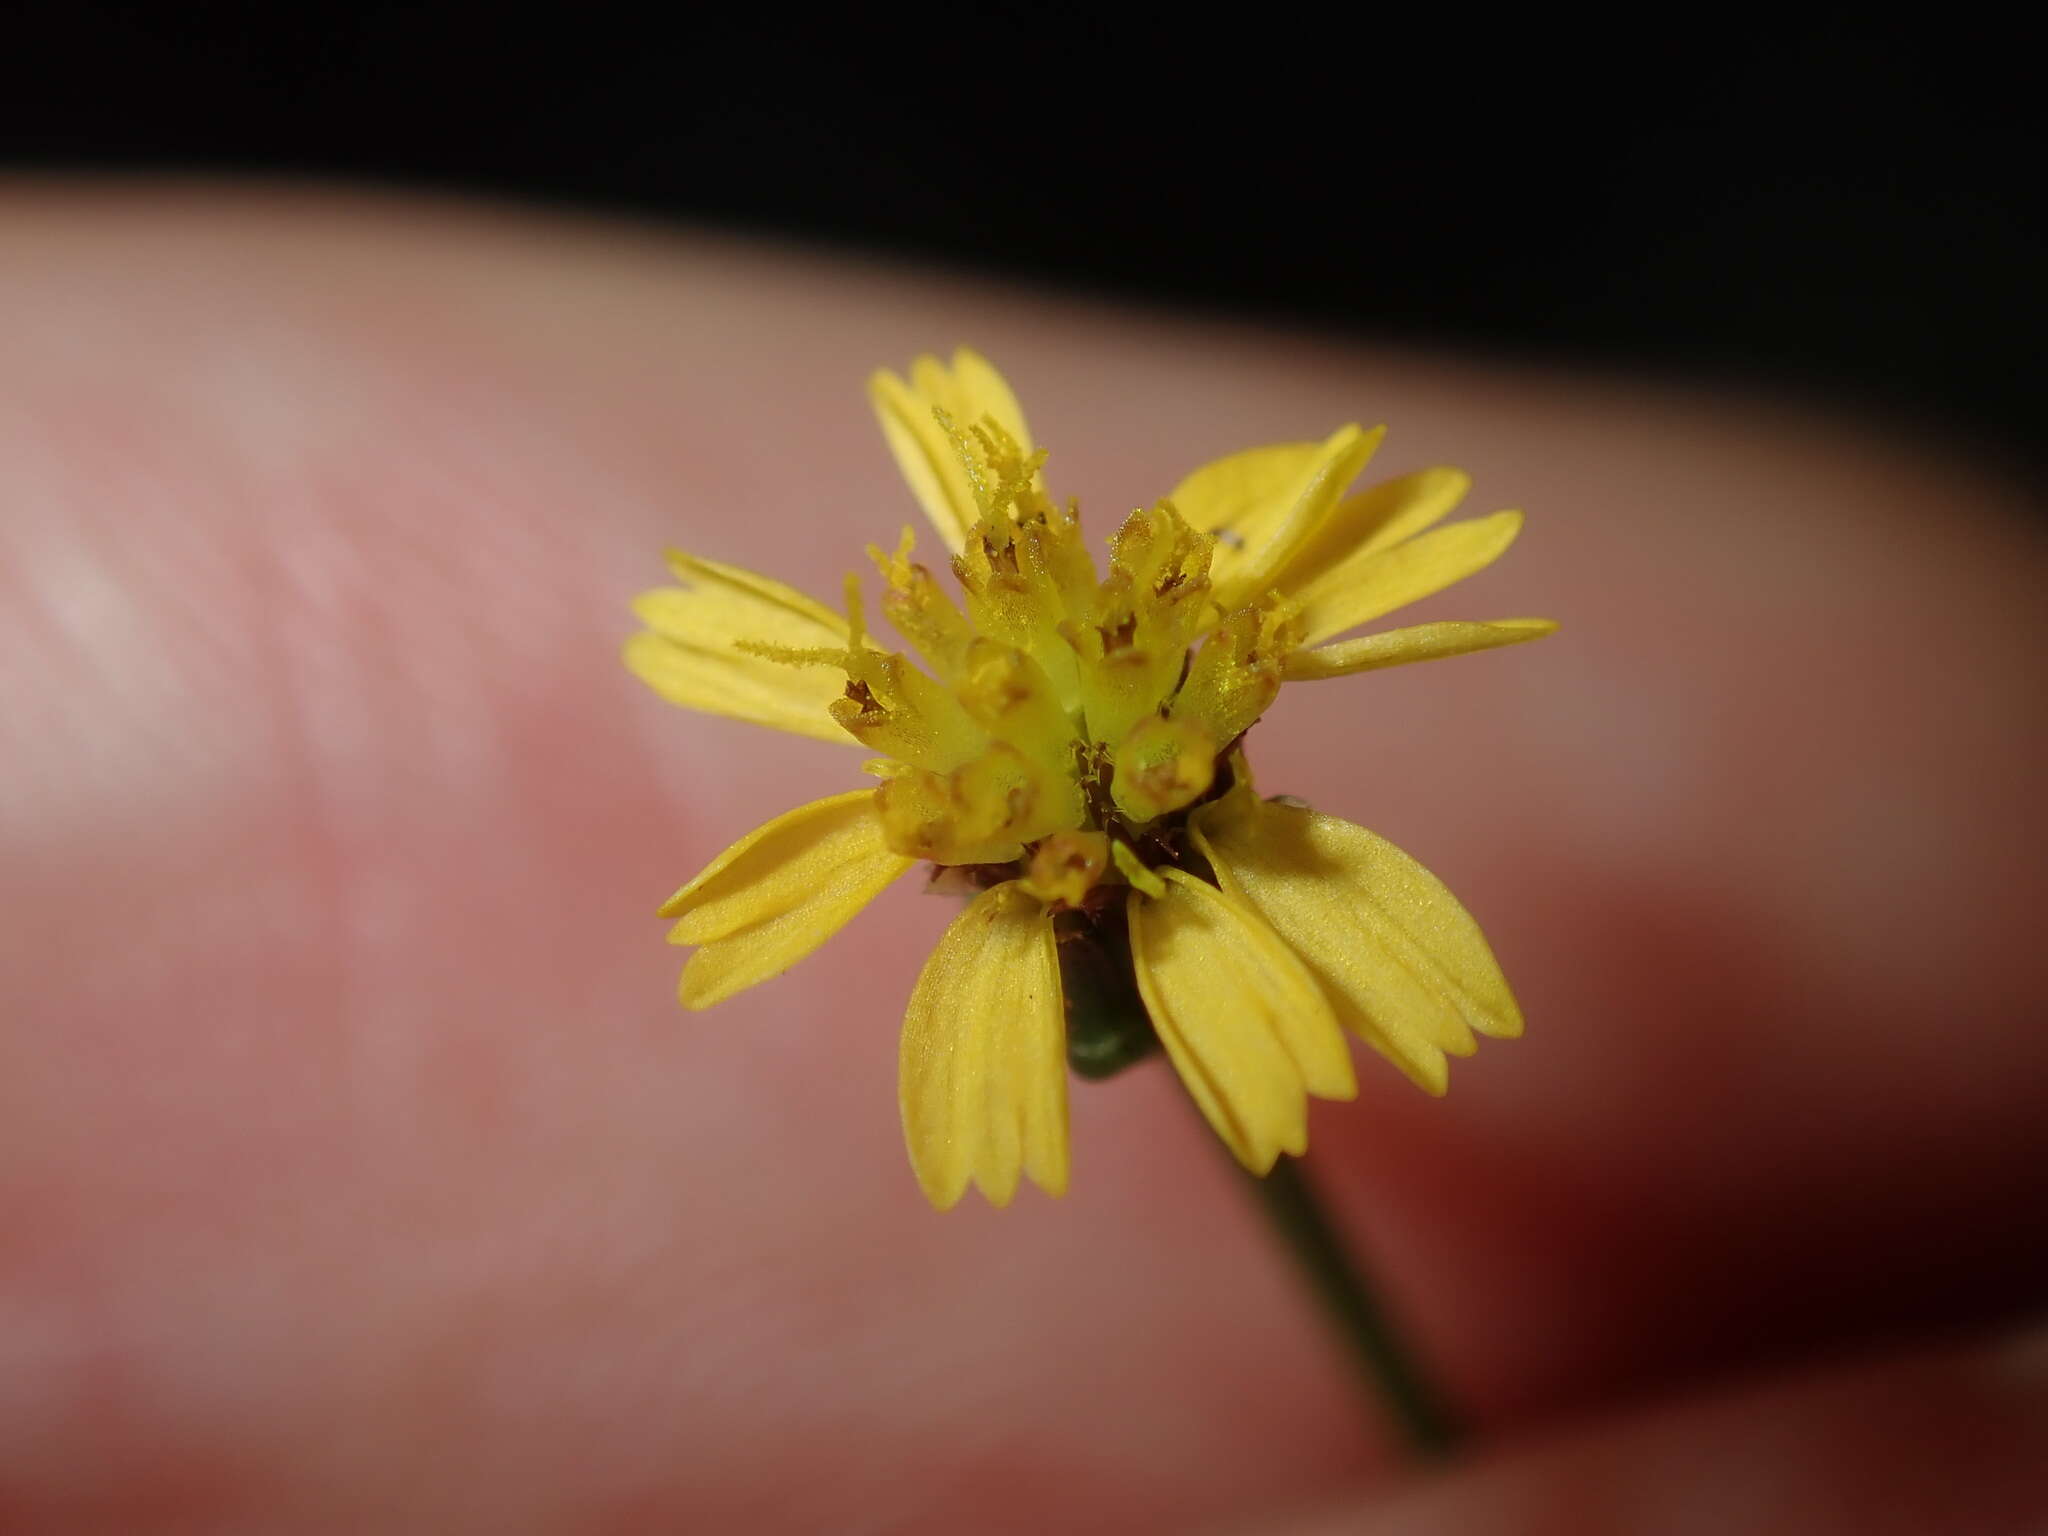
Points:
(1067, 747)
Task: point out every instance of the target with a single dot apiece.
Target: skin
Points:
(359, 1172)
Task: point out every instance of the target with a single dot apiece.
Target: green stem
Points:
(1382, 1361)
(1107, 1032)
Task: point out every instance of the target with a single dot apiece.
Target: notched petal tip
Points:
(708, 646)
(1403, 962)
(997, 1192)
(778, 893)
(940, 1194)
(1051, 1182)
(1436, 1083)
(693, 990)
(1505, 1021)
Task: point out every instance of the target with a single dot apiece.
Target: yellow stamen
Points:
(1134, 642)
(920, 609)
(1066, 866)
(1236, 675)
(1134, 870)
(1161, 766)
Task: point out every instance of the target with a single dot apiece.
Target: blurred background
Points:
(1797, 205)
(433, 1153)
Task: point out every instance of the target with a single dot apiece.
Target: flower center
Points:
(1059, 716)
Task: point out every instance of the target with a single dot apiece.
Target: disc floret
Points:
(1053, 711)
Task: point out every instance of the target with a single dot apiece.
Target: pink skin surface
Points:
(358, 1171)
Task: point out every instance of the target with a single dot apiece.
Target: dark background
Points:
(1815, 206)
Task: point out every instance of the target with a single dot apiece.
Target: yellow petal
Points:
(983, 1067)
(1244, 1022)
(930, 461)
(1375, 582)
(1404, 964)
(1418, 642)
(688, 653)
(1339, 459)
(778, 893)
(971, 390)
(1377, 518)
(1243, 498)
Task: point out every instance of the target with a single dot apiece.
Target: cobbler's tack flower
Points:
(1067, 749)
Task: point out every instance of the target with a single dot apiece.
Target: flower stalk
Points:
(1354, 1308)
(1107, 1027)
(1108, 1031)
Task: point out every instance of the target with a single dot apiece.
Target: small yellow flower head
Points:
(1063, 743)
